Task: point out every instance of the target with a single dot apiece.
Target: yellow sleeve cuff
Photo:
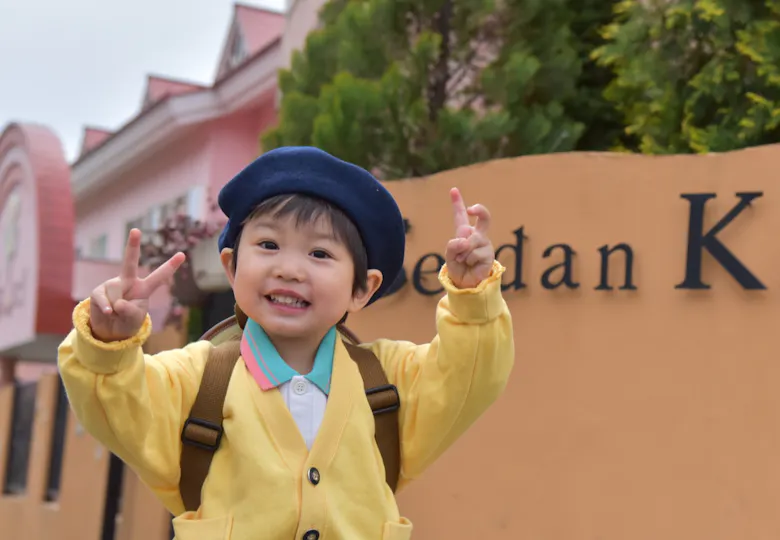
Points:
(101, 356)
(478, 304)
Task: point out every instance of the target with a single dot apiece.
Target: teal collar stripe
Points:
(270, 370)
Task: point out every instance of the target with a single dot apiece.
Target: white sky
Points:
(72, 63)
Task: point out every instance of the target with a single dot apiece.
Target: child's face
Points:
(296, 281)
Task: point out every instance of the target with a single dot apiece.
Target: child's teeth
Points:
(287, 301)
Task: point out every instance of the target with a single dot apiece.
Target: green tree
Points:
(601, 119)
(412, 87)
(695, 76)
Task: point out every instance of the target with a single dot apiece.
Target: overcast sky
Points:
(75, 62)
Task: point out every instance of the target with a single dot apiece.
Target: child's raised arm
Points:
(134, 404)
(447, 384)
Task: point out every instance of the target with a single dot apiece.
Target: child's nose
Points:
(290, 268)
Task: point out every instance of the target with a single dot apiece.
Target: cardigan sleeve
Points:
(133, 403)
(447, 384)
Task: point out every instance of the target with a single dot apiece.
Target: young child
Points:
(310, 238)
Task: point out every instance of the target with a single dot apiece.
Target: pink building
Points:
(62, 232)
(173, 156)
(185, 142)
(302, 16)
(36, 257)
(63, 227)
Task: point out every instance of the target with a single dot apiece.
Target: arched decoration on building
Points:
(36, 242)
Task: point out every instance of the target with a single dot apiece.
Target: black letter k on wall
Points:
(698, 241)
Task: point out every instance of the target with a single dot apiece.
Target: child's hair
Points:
(306, 209)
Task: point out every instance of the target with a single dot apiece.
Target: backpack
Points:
(202, 431)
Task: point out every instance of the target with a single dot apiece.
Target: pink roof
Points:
(93, 137)
(259, 27)
(158, 88)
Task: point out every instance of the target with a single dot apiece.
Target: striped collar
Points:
(270, 370)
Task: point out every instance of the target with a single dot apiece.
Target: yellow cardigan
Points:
(258, 485)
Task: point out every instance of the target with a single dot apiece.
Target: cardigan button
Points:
(311, 535)
(314, 476)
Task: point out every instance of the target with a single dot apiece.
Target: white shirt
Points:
(306, 403)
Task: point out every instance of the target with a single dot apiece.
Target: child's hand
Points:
(119, 306)
(469, 255)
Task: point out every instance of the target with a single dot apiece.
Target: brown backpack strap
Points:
(202, 431)
(385, 402)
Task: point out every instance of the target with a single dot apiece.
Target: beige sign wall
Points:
(631, 414)
(642, 414)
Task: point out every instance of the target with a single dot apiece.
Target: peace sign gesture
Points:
(119, 306)
(469, 255)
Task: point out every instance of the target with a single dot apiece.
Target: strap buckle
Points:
(200, 438)
(389, 404)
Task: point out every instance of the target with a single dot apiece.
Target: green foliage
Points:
(409, 88)
(695, 75)
(413, 87)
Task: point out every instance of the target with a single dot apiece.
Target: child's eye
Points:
(267, 244)
(319, 254)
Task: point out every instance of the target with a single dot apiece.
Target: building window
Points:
(21, 437)
(98, 247)
(190, 204)
(195, 202)
(152, 221)
(174, 208)
(57, 444)
(140, 224)
(134, 224)
(112, 508)
(171, 209)
(237, 50)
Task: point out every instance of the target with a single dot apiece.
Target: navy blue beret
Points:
(311, 171)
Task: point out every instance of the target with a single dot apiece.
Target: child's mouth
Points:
(287, 301)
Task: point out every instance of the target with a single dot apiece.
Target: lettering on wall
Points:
(561, 272)
(698, 241)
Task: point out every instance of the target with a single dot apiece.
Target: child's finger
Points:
(100, 299)
(455, 248)
(113, 290)
(477, 240)
(459, 211)
(132, 255)
(483, 217)
(121, 307)
(161, 275)
(481, 255)
(128, 310)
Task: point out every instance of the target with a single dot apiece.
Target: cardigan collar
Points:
(269, 369)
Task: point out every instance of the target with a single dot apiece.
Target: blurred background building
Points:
(185, 141)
